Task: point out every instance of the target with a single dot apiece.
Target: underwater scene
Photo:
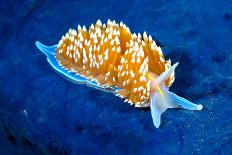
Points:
(115, 77)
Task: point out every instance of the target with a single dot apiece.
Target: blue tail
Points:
(50, 52)
(47, 50)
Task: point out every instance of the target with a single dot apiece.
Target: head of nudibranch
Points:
(110, 56)
(161, 98)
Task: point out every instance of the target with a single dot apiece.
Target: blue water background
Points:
(42, 113)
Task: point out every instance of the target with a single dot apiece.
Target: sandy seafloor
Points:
(43, 113)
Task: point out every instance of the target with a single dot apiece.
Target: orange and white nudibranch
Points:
(108, 56)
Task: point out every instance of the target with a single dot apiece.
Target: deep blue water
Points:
(42, 113)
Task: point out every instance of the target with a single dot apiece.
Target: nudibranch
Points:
(111, 58)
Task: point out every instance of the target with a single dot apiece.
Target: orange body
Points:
(113, 56)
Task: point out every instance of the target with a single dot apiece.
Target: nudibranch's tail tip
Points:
(39, 45)
(46, 49)
(37, 42)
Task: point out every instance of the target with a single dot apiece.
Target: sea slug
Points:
(111, 58)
